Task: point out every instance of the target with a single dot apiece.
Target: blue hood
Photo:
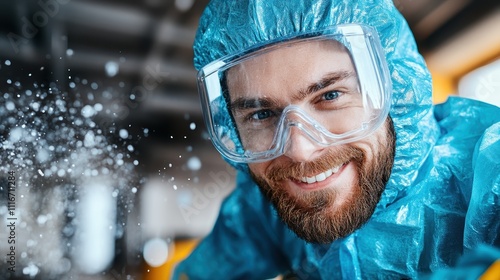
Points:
(228, 27)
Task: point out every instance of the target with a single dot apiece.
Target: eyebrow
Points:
(242, 103)
(327, 80)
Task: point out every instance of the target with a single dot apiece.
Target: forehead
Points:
(292, 63)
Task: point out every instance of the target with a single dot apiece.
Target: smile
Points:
(321, 176)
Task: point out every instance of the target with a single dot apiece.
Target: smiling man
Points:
(298, 109)
(345, 168)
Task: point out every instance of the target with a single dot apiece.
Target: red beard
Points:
(311, 215)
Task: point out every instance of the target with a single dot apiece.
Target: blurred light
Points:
(474, 44)
(439, 16)
(123, 133)
(183, 5)
(95, 233)
(155, 252)
(111, 68)
(482, 84)
(155, 210)
(194, 163)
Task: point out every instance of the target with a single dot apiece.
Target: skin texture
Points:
(343, 182)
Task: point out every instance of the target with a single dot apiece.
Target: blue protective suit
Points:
(442, 198)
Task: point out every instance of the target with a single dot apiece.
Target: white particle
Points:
(155, 252)
(192, 126)
(35, 106)
(69, 52)
(194, 163)
(89, 139)
(134, 190)
(88, 111)
(16, 134)
(98, 107)
(42, 155)
(111, 68)
(31, 270)
(42, 219)
(10, 106)
(40, 172)
(123, 133)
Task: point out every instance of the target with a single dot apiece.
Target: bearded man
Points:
(345, 169)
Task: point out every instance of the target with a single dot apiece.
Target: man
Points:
(346, 170)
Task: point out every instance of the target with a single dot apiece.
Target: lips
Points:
(321, 176)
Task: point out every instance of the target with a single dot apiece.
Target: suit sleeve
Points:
(482, 224)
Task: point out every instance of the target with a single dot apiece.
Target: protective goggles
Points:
(332, 86)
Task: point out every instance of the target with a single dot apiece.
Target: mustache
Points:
(296, 170)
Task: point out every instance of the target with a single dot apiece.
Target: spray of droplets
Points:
(57, 143)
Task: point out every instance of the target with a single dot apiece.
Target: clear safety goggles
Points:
(330, 86)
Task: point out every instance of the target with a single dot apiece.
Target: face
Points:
(321, 192)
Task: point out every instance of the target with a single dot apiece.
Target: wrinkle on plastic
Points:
(442, 198)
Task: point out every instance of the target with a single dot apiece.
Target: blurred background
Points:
(102, 132)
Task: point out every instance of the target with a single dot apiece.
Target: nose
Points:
(301, 148)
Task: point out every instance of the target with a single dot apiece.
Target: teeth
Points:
(336, 169)
(322, 176)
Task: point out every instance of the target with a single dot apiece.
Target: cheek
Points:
(374, 143)
(259, 169)
(369, 150)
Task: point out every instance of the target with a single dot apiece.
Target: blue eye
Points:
(262, 114)
(331, 95)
